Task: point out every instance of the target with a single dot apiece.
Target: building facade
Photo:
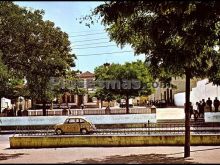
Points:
(75, 100)
(168, 93)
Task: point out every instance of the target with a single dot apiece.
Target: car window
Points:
(72, 121)
(77, 120)
(82, 121)
(66, 121)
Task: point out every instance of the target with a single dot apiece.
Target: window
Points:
(72, 121)
(77, 120)
(81, 120)
(66, 121)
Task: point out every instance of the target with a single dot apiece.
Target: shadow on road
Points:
(9, 156)
(135, 159)
(217, 148)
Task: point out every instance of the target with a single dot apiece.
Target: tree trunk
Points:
(109, 104)
(51, 106)
(44, 108)
(101, 103)
(127, 104)
(187, 115)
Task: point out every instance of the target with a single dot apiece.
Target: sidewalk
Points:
(124, 155)
(141, 155)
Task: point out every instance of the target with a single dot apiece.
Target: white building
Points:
(203, 90)
(5, 103)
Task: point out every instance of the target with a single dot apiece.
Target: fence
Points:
(75, 112)
(147, 129)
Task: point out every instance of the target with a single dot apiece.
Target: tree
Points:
(9, 83)
(33, 48)
(176, 36)
(103, 95)
(54, 60)
(130, 79)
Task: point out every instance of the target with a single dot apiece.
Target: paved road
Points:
(200, 154)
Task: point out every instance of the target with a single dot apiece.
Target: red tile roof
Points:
(86, 74)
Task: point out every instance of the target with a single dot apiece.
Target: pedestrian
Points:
(209, 103)
(64, 112)
(69, 111)
(4, 112)
(19, 112)
(7, 111)
(216, 104)
(200, 107)
(82, 106)
(203, 104)
(190, 109)
(107, 110)
(25, 112)
(11, 112)
(196, 111)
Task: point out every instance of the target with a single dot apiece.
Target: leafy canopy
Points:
(33, 48)
(175, 36)
(122, 74)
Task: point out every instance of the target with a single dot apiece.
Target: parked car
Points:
(75, 124)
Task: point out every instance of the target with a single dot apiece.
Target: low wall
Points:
(110, 141)
(95, 119)
(161, 115)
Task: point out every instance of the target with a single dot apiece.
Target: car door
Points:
(83, 124)
(77, 126)
(65, 125)
(71, 126)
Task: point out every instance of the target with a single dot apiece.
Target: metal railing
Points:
(147, 129)
(76, 112)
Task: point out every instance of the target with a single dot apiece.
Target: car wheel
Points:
(59, 132)
(84, 131)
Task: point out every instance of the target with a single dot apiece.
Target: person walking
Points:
(216, 104)
(196, 111)
(82, 109)
(209, 103)
(191, 109)
(203, 104)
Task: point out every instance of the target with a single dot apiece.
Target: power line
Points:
(87, 31)
(91, 44)
(90, 34)
(91, 39)
(96, 47)
(104, 53)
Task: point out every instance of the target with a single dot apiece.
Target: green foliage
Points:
(104, 95)
(177, 37)
(33, 48)
(9, 83)
(129, 71)
(174, 35)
